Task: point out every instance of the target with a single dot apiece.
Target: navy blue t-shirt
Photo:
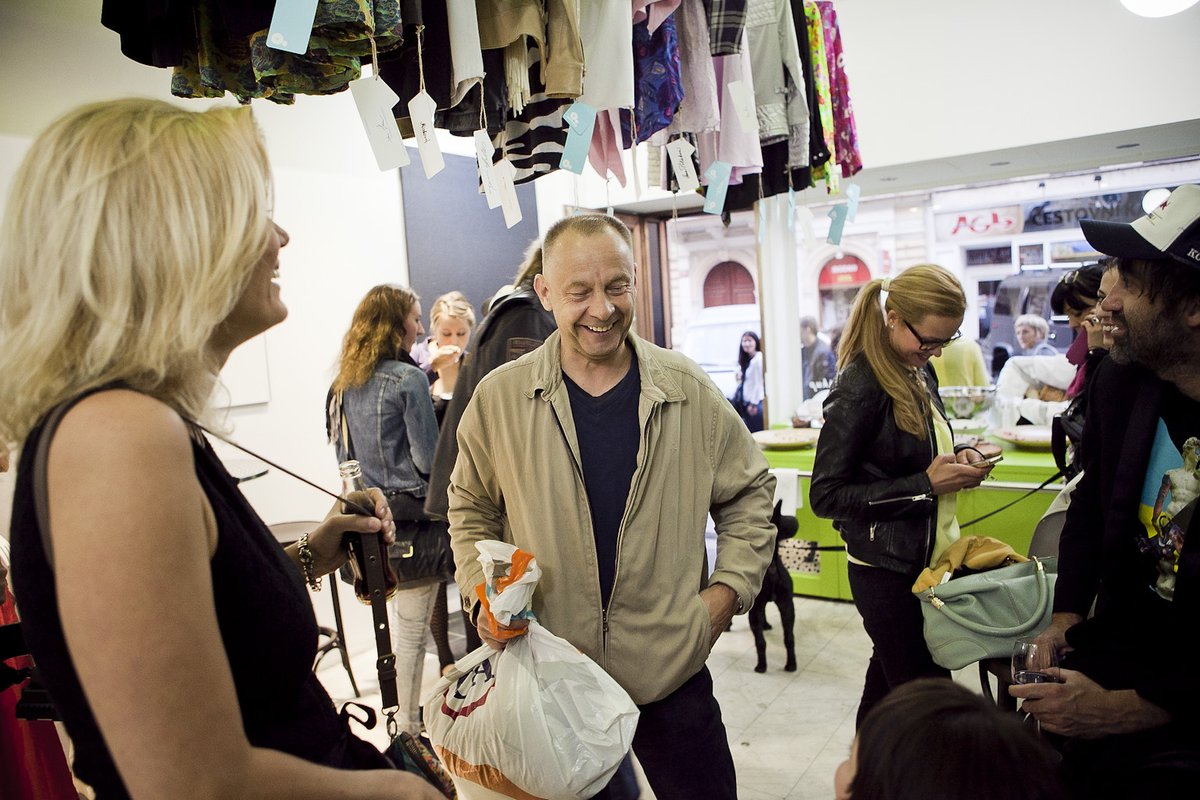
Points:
(607, 428)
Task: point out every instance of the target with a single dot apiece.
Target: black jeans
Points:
(682, 746)
(891, 613)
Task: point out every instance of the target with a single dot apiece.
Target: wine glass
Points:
(1032, 661)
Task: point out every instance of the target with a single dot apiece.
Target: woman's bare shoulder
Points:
(120, 423)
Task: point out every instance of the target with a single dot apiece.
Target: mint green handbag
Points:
(979, 616)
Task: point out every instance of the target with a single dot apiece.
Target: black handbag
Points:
(421, 553)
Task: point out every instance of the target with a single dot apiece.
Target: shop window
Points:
(728, 284)
(839, 282)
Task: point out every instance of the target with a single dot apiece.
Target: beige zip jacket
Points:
(519, 479)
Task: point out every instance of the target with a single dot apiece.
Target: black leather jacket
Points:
(869, 476)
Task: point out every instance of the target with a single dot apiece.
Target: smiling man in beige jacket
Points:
(602, 454)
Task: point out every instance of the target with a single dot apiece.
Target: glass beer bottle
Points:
(365, 548)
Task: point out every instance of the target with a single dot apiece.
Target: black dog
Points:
(777, 587)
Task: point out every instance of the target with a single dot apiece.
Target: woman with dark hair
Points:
(886, 470)
(391, 431)
(1076, 296)
(749, 398)
(935, 739)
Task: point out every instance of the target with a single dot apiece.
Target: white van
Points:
(713, 337)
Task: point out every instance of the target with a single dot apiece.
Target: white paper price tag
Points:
(505, 172)
(374, 100)
(742, 96)
(680, 152)
(483, 159)
(420, 110)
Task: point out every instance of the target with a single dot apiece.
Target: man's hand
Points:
(722, 603)
(1081, 708)
(1056, 632)
(498, 638)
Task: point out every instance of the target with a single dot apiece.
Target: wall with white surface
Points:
(944, 77)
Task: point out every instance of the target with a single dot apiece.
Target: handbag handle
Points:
(1043, 601)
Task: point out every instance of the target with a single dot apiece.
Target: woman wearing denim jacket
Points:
(885, 470)
(392, 434)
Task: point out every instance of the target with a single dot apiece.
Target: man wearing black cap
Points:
(1129, 704)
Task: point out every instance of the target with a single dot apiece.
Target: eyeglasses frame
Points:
(929, 345)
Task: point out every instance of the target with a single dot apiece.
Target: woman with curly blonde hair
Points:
(382, 417)
(173, 632)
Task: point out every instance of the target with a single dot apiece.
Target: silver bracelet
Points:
(306, 564)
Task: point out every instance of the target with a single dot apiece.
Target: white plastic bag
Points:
(537, 718)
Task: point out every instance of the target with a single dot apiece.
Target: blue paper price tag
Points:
(580, 120)
(852, 192)
(291, 25)
(837, 216)
(717, 176)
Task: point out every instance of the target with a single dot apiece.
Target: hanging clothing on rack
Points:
(607, 29)
(732, 142)
(818, 152)
(779, 92)
(224, 59)
(820, 65)
(845, 134)
(552, 28)
(658, 76)
(726, 24)
(698, 110)
(534, 139)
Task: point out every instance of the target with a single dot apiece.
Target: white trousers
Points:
(408, 614)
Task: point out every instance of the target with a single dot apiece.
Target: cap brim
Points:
(1118, 239)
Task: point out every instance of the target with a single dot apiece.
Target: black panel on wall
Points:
(454, 240)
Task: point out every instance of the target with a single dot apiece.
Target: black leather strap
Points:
(372, 547)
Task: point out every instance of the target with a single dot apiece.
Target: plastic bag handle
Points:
(1016, 630)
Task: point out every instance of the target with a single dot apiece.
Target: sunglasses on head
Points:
(929, 345)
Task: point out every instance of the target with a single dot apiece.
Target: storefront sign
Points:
(988, 222)
(1051, 215)
(843, 272)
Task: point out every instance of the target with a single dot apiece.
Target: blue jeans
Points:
(682, 746)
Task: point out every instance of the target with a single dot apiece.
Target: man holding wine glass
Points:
(1125, 711)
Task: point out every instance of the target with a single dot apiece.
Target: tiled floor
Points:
(788, 730)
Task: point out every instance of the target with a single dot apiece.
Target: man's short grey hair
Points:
(587, 225)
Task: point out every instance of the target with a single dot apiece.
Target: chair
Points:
(286, 533)
(1044, 544)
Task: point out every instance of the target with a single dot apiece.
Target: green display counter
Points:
(823, 573)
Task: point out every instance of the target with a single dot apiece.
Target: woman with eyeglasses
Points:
(886, 470)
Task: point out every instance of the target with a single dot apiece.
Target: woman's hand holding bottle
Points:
(326, 540)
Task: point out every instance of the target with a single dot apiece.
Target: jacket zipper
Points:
(932, 520)
(907, 498)
(629, 503)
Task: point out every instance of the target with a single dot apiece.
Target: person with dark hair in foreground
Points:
(932, 738)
